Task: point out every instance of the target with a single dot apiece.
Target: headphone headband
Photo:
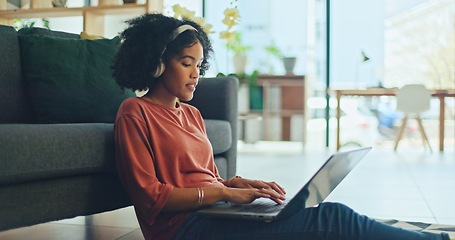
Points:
(174, 34)
(180, 30)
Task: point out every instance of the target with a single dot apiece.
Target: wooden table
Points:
(441, 94)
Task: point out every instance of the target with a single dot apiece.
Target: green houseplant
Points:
(239, 50)
(28, 23)
(254, 91)
(274, 50)
(237, 46)
(288, 62)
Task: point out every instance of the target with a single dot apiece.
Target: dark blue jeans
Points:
(328, 221)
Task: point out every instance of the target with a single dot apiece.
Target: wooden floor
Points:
(411, 185)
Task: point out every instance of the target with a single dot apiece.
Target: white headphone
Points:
(160, 69)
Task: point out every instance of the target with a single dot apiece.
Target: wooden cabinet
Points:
(93, 16)
(292, 102)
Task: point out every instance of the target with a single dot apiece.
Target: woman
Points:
(165, 160)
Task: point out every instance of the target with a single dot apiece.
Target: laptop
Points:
(315, 191)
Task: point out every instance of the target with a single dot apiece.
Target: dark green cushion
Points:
(70, 80)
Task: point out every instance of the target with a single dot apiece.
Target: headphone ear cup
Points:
(159, 70)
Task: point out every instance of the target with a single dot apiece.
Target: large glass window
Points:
(380, 43)
(386, 43)
(263, 23)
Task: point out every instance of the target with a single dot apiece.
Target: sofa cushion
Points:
(40, 151)
(47, 32)
(219, 133)
(15, 106)
(221, 164)
(70, 80)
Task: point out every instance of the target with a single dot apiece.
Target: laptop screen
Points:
(334, 170)
(326, 179)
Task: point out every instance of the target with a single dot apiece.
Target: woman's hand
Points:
(248, 195)
(240, 191)
(263, 189)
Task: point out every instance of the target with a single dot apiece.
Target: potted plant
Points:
(29, 23)
(248, 89)
(288, 62)
(255, 91)
(239, 50)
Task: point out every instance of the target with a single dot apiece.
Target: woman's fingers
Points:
(261, 189)
(243, 196)
(277, 188)
(271, 194)
(269, 185)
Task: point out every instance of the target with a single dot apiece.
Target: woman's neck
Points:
(169, 102)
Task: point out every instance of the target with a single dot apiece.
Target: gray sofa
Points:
(56, 171)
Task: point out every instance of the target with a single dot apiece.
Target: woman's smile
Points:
(192, 86)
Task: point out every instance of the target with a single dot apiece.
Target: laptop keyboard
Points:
(263, 207)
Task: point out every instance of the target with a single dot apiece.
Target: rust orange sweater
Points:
(157, 149)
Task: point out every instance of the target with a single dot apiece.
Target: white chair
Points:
(412, 100)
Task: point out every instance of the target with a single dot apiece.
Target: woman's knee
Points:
(340, 211)
(334, 207)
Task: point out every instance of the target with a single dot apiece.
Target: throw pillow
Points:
(70, 80)
(85, 35)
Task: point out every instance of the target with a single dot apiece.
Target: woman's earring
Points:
(159, 70)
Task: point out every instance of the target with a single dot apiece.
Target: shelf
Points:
(292, 92)
(73, 12)
(284, 113)
(129, 8)
(282, 80)
(93, 16)
(40, 13)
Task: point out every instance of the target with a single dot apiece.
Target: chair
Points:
(412, 100)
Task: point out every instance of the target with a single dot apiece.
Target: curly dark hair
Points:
(142, 46)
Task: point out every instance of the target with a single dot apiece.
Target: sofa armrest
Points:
(216, 98)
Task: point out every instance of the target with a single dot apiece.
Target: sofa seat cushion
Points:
(42, 151)
(39, 151)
